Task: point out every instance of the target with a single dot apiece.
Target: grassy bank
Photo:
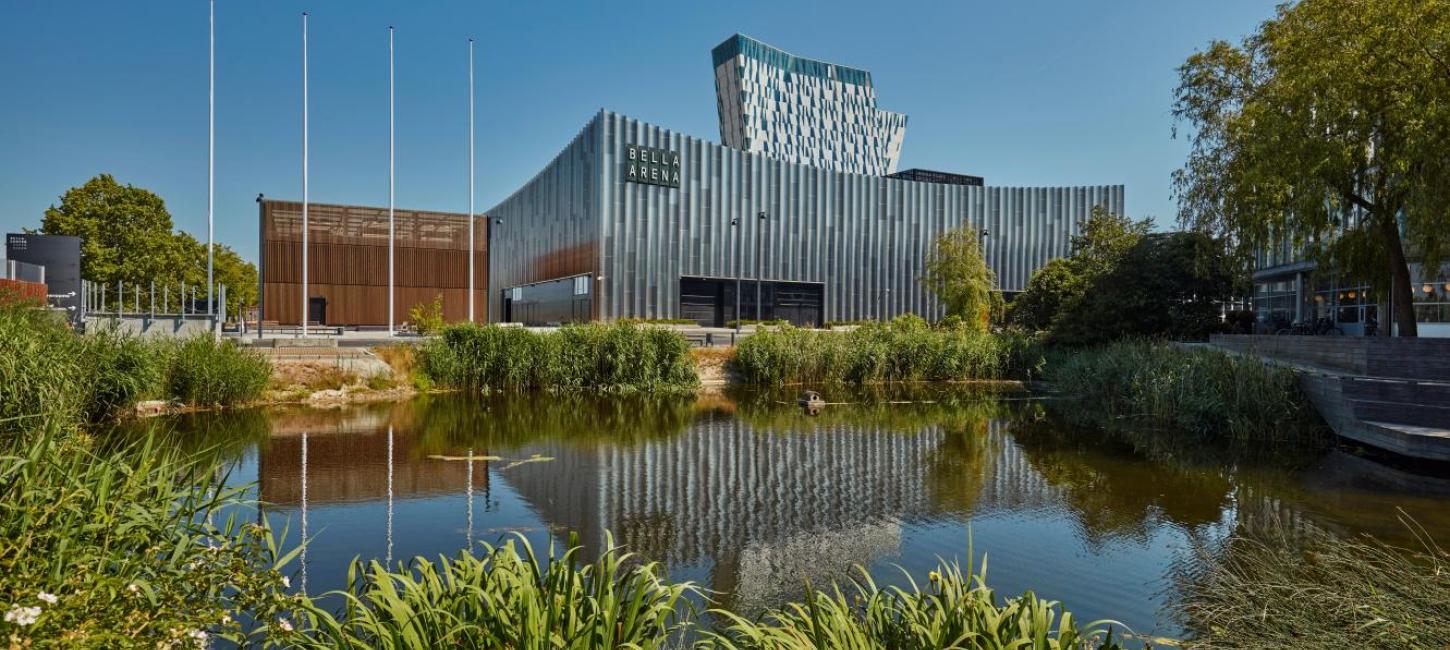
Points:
(613, 358)
(47, 369)
(1267, 589)
(1199, 390)
(905, 349)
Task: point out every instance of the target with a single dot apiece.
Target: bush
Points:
(904, 350)
(209, 373)
(1202, 391)
(618, 357)
(427, 318)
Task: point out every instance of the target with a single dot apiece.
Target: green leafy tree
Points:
(127, 235)
(1099, 247)
(960, 278)
(1167, 285)
(1326, 130)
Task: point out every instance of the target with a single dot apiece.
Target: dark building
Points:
(61, 257)
(347, 263)
(945, 178)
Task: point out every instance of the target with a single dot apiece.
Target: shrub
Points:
(617, 357)
(1202, 391)
(904, 350)
(427, 318)
(209, 373)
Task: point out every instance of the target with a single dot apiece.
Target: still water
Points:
(749, 497)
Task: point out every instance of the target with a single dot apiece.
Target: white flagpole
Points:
(470, 180)
(391, 191)
(211, 171)
(304, 175)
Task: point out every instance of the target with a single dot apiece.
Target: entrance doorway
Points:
(711, 301)
(317, 311)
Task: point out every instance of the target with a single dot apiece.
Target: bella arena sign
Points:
(651, 166)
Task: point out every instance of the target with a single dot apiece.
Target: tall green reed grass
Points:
(619, 357)
(903, 350)
(955, 609)
(507, 598)
(1202, 391)
(211, 373)
(115, 546)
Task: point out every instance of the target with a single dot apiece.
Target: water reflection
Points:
(746, 494)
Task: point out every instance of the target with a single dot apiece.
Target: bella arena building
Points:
(634, 220)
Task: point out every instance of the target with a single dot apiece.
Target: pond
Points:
(751, 498)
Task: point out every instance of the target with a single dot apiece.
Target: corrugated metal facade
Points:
(864, 237)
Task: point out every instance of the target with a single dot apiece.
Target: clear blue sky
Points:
(1024, 93)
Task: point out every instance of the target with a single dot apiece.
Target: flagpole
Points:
(470, 180)
(304, 175)
(391, 190)
(211, 170)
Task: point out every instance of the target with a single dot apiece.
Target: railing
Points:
(150, 300)
(22, 271)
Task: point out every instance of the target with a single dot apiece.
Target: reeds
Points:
(615, 358)
(899, 351)
(507, 598)
(955, 609)
(1202, 391)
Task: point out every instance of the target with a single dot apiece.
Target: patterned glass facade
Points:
(864, 239)
(802, 110)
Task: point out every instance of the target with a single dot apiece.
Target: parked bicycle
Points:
(1317, 327)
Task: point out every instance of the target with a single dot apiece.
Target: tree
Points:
(1326, 130)
(127, 235)
(960, 278)
(1098, 248)
(1167, 284)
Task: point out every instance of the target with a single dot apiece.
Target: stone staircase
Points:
(1389, 393)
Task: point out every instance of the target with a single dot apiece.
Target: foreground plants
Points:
(1275, 589)
(117, 547)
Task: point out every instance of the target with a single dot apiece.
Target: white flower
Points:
(199, 637)
(284, 625)
(22, 616)
(133, 588)
(286, 582)
(226, 618)
(48, 598)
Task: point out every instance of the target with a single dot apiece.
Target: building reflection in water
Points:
(756, 499)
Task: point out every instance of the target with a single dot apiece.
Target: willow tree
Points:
(1328, 131)
(958, 274)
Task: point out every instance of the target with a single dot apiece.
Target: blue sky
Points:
(1024, 93)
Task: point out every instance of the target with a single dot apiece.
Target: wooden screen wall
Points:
(347, 262)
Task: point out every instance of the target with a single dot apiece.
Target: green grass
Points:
(613, 358)
(121, 538)
(954, 609)
(507, 598)
(899, 351)
(39, 370)
(1268, 588)
(207, 373)
(1199, 390)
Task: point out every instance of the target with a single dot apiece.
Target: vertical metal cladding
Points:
(865, 238)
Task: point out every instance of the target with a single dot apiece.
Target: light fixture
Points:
(1351, 295)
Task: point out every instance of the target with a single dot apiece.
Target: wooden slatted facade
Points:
(348, 262)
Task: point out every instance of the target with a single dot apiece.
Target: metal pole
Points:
(153, 299)
(165, 298)
(391, 226)
(211, 158)
(759, 267)
(304, 176)
(120, 297)
(739, 233)
(470, 180)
